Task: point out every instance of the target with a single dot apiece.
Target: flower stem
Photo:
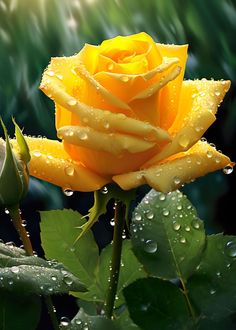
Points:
(17, 221)
(116, 258)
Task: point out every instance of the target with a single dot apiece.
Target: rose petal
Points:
(173, 173)
(84, 73)
(51, 163)
(126, 86)
(113, 143)
(99, 119)
(169, 94)
(199, 102)
(158, 85)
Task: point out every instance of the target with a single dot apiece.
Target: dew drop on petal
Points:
(150, 246)
(37, 154)
(162, 197)
(184, 141)
(228, 169)
(110, 66)
(124, 78)
(70, 170)
(72, 102)
(177, 180)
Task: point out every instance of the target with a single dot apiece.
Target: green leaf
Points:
(130, 270)
(59, 230)
(101, 198)
(19, 312)
(84, 321)
(32, 275)
(167, 236)
(156, 304)
(124, 321)
(212, 287)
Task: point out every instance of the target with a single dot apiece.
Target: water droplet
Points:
(218, 274)
(60, 77)
(166, 213)
(177, 180)
(162, 197)
(110, 66)
(230, 249)
(212, 291)
(187, 228)
(196, 224)
(112, 222)
(71, 102)
(67, 280)
(150, 246)
(179, 207)
(51, 73)
(124, 78)
(176, 226)
(150, 215)
(137, 217)
(78, 321)
(15, 269)
(184, 141)
(209, 154)
(37, 154)
(6, 211)
(217, 93)
(83, 135)
(104, 190)
(68, 192)
(228, 169)
(144, 307)
(64, 322)
(183, 240)
(54, 278)
(70, 170)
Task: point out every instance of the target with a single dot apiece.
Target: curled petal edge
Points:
(51, 163)
(174, 172)
(114, 143)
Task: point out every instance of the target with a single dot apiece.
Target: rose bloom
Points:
(125, 115)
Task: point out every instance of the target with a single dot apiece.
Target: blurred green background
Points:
(31, 31)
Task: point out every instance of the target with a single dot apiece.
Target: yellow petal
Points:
(103, 120)
(173, 173)
(169, 94)
(51, 163)
(158, 85)
(84, 73)
(199, 102)
(113, 143)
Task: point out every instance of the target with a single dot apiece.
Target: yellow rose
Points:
(125, 115)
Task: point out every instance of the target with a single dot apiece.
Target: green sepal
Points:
(101, 198)
(23, 147)
(13, 175)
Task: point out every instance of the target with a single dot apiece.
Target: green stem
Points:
(17, 221)
(116, 258)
